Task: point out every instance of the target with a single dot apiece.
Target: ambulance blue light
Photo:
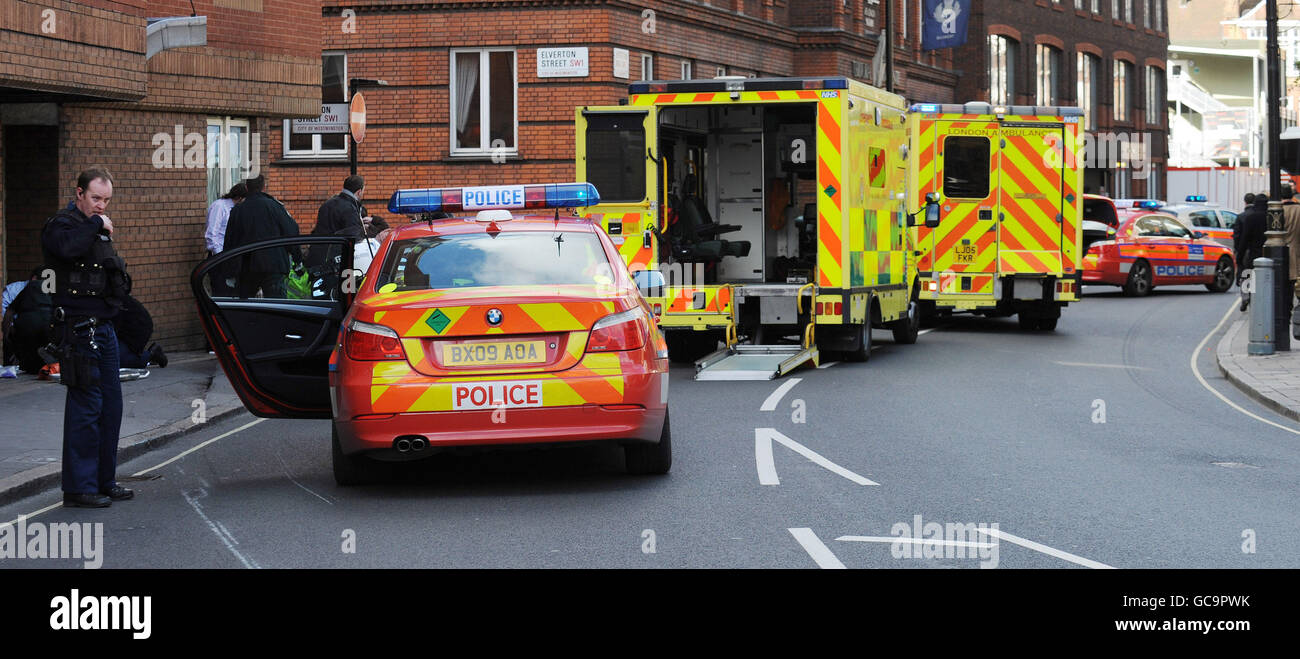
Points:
(1196, 197)
(927, 107)
(451, 200)
(836, 83)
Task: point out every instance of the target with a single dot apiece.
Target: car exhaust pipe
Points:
(403, 445)
(419, 444)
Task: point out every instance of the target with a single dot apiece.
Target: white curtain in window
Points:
(466, 83)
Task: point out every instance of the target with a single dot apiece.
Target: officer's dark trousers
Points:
(92, 420)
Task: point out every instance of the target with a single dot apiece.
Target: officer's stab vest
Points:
(100, 273)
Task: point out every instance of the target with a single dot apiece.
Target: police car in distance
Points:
(1210, 219)
(1155, 249)
(488, 327)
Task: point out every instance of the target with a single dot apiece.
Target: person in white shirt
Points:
(215, 234)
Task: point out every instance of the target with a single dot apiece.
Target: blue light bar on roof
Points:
(1196, 197)
(1149, 203)
(451, 200)
(926, 107)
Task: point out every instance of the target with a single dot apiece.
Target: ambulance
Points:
(1011, 189)
(769, 212)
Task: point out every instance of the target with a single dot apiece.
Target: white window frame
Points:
(647, 66)
(722, 71)
(484, 105)
(316, 151)
(686, 69)
(227, 178)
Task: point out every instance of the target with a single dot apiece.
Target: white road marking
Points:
(890, 539)
(1136, 368)
(44, 510)
(774, 399)
(828, 365)
(224, 435)
(1057, 553)
(226, 538)
(767, 468)
(816, 549)
(1214, 391)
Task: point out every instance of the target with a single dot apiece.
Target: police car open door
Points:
(272, 311)
(618, 152)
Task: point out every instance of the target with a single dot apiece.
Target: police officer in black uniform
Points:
(90, 282)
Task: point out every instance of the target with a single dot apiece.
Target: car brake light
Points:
(620, 331)
(370, 342)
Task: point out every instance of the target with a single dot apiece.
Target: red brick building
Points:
(1106, 56)
(464, 82)
(79, 87)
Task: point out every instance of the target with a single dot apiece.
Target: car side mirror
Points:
(932, 210)
(1198, 234)
(649, 282)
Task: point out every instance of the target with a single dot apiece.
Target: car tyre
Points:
(651, 458)
(862, 351)
(1224, 276)
(1139, 279)
(352, 470)
(908, 327)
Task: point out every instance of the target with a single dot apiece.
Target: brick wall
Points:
(72, 48)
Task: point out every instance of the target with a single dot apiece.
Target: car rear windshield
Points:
(508, 259)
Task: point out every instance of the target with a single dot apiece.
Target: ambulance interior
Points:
(740, 183)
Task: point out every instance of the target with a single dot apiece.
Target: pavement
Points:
(163, 406)
(1272, 380)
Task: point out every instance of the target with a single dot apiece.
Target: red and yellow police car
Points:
(485, 328)
(1155, 249)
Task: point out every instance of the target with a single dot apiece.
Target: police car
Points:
(1207, 218)
(1155, 249)
(488, 327)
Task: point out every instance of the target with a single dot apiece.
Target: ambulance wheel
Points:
(1047, 324)
(1028, 321)
(651, 458)
(1223, 276)
(1139, 279)
(907, 327)
(353, 469)
(862, 342)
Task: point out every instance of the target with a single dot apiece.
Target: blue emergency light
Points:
(1149, 203)
(926, 107)
(491, 197)
(1196, 197)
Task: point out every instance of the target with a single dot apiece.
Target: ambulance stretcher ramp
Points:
(742, 362)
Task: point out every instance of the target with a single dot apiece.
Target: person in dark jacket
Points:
(134, 327)
(260, 217)
(90, 284)
(1248, 233)
(341, 215)
(26, 322)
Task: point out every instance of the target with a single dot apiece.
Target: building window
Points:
(1096, 6)
(299, 143)
(483, 107)
(686, 70)
(1078, 4)
(229, 154)
(1049, 74)
(902, 35)
(1114, 9)
(1159, 22)
(1002, 61)
(647, 67)
(1146, 13)
(1123, 96)
(1128, 11)
(1088, 70)
(1155, 104)
(722, 71)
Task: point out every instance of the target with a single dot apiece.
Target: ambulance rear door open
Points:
(617, 151)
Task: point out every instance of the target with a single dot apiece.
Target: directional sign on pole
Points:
(763, 459)
(357, 114)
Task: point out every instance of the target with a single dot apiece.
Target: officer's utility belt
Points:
(76, 369)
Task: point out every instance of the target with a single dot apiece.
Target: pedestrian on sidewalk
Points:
(1291, 220)
(90, 284)
(215, 233)
(341, 215)
(1250, 202)
(260, 217)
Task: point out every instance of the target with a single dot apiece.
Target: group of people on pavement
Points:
(1248, 234)
(78, 307)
